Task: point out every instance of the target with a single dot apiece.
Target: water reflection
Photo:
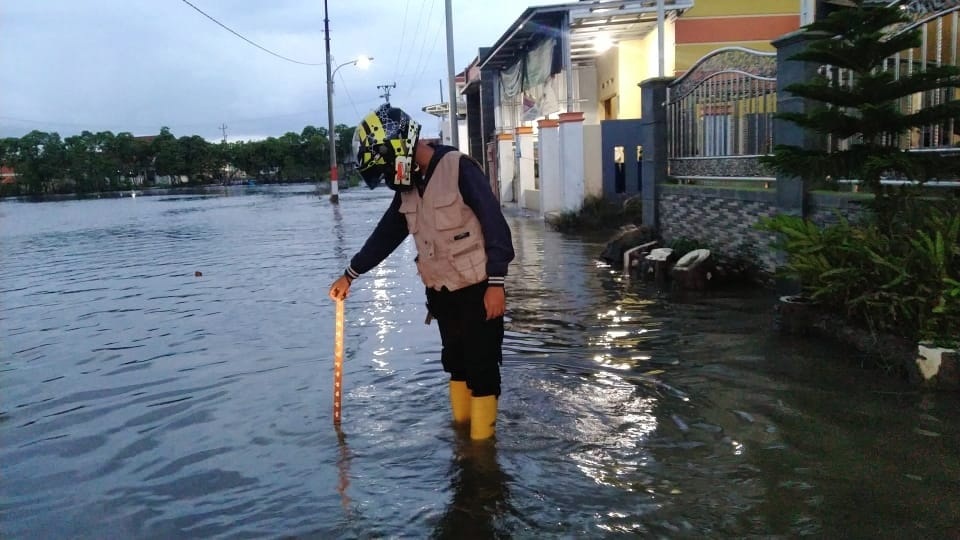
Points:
(480, 492)
(343, 471)
(140, 401)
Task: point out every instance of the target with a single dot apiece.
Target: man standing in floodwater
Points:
(464, 245)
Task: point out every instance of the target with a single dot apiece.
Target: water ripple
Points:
(166, 366)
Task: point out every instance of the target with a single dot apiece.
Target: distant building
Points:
(442, 112)
(8, 176)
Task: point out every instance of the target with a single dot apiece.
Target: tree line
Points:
(103, 161)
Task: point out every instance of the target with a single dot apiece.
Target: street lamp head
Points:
(363, 62)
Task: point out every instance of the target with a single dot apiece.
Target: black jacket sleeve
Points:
(478, 195)
(389, 233)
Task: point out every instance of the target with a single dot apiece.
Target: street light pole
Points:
(451, 74)
(334, 173)
(361, 62)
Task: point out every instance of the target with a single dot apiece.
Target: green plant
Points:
(944, 329)
(599, 214)
(684, 245)
(899, 280)
(938, 248)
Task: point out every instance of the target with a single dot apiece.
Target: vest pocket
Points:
(448, 213)
(471, 264)
(409, 211)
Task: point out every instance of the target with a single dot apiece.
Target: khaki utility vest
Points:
(451, 252)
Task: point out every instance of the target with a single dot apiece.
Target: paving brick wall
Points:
(826, 208)
(723, 218)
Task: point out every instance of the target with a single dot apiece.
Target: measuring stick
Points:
(338, 362)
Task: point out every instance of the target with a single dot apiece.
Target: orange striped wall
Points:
(712, 24)
(735, 29)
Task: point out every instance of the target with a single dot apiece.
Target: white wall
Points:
(588, 96)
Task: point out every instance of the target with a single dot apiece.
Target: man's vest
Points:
(451, 252)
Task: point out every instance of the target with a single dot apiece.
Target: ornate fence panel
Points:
(720, 116)
(939, 25)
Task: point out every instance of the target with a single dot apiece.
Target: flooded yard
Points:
(141, 400)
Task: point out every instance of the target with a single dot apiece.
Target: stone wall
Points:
(825, 208)
(722, 218)
(725, 218)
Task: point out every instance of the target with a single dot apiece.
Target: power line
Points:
(416, 34)
(234, 32)
(424, 62)
(403, 33)
(346, 90)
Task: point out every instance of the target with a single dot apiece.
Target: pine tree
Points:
(870, 113)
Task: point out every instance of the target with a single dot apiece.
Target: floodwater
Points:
(141, 400)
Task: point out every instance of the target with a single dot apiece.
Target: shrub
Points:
(599, 214)
(900, 279)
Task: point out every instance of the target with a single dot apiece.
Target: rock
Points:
(796, 314)
(693, 271)
(634, 256)
(626, 238)
(657, 264)
(938, 367)
(949, 376)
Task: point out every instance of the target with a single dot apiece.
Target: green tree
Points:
(123, 153)
(143, 157)
(897, 271)
(220, 157)
(40, 158)
(344, 143)
(290, 155)
(167, 160)
(870, 112)
(92, 161)
(79, 155)
(316, 151)
(195, 157)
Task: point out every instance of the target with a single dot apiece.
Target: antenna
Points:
(386, 91)
(223, 129)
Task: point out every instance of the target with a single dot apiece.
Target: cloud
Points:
(136, 66)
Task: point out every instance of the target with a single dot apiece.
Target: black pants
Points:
(472, 345)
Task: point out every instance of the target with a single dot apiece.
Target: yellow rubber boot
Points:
(483, 417)
(460, 397)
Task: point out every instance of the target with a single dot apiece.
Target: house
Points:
(442, 112)
(8, 176)
(554, 105)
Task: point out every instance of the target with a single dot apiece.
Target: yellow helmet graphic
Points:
(383, 145)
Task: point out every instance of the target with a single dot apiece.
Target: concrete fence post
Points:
(653, 137)
(792, 190)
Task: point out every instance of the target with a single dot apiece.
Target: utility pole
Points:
(454, 122)
(385, 88)
(334, 173)
(223, 129)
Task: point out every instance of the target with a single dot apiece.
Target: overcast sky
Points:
(137, 65)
